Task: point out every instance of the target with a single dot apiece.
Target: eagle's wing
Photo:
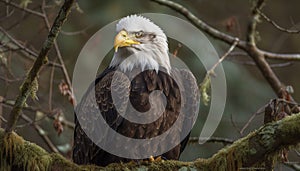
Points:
(87, 111)
(85, 151)
(191, 99)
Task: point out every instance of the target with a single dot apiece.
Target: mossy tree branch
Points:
(248, 152)
(30, 83)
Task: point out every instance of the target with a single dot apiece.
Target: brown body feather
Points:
(136, 92)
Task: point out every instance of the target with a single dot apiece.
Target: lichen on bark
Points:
(248, 152)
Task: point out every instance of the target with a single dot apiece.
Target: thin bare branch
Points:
(251, 63)
(10, 80)
(200, 24)
(278, 56)
(276, 25)
(26, 88)
(272, 56)
(23, 9)
(17, 43)
(74, 33)
(51, 89)
(60, 58)
(50, 114)
(41, 133)
(211, 71)
(234, 125)
(259, 111)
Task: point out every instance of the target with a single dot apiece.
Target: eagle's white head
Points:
(140, 43)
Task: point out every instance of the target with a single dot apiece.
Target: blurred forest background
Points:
(48, 120)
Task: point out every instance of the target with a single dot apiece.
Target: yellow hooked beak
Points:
(122, 39)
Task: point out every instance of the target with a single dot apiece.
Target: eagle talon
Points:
(157, 159)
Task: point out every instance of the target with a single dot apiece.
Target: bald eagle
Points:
(140, 66)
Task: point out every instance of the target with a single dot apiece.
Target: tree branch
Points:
(248, 46)
(245, 153)
(23, 9)
(28, 53)
(278, 56)
(251, 35)
(28, 83)
(50, 115)
(276, 25)
(258, 57)
(58, 53)
(200, 24)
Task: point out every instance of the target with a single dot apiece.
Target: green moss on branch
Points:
(247, 152)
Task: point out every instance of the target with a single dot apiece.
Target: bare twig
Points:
(259, 111)
(270, 55)
(73, 33)
(276, 25)
(205, 84)
(17, 43)
(60, 58)
(211, 71)
(234, 125)
(278, 56)
(10, 80)
(51, 89)
(23, 9)
(50, 115)
(175, 53)
(28, 53)
(32, 75)
(251, 63)
(41, 133)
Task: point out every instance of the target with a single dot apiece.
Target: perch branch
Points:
(245, 153)
(33, 73)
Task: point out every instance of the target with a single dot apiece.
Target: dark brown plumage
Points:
(86, 152)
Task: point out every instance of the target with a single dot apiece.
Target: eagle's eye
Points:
(139, 34)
